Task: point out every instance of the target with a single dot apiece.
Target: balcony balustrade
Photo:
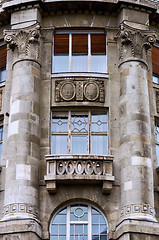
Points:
(79, 169)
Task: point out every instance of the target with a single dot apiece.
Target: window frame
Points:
(4, 66)
(90, 133)
(70, 32)
(88, 222)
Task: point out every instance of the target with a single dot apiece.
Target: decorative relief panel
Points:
(88, 89)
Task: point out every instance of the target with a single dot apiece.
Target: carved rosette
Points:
(77, 90)
(134, 43)
(25, 43)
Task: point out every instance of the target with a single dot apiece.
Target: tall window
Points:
(1, 136)
(3, 53)
(79, 133)
(79, 52)
(157, 140)
(155, 62)
(78, 222)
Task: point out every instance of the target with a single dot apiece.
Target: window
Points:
(79, 52)
(3, 54)
(155, 79)
(78, 222)
(79, 133)
(157, 139)
(1, 136)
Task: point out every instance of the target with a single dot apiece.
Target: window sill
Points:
(83, 169)
(80, 74)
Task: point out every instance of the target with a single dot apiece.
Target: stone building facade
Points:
(79, 120)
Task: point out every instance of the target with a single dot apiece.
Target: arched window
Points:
(78, 222)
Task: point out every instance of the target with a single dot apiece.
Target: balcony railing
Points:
(80, 169)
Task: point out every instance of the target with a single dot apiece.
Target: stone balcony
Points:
(79, 169)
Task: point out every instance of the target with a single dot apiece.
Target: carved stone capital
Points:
(134, 43)
(25, 43)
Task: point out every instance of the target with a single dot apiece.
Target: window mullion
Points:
(70, 52)
(89, 133)
(89, 223)
(68, 224)
(89, 52)
(69, 150)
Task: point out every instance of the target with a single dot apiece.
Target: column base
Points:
(137, 230)
(20, 229)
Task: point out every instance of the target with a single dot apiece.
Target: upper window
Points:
(79, 133)
(3, 54)
(1, 136)
(78, 222)
(79, 52)
(157, 140)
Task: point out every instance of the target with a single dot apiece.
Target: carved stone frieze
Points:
(20, 208)
(157, 101)
(137, 209)
(25, 43)
(91, 90)
(134, 42)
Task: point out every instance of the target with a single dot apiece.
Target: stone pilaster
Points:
(21, 185)
(136, 173)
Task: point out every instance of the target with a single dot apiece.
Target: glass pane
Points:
(54, 229)
(2, 75)
(79, 144)
(59, 144)
(95, 229)
(62, 219)
(95, 237)
(95, 218)
(103, 229)
(79, 229)
(62, 229)
(99, 123)
(157, 153)
(99, 144)
(80, 63)
(62, 237)
(103, 237)
(157, 133)
(54, 237)
(79, 124)
(61, 63)
(155, 79)
(59, 124)
(98, 63)
(102, 220)
(1, 133)
(73, 217)
(72, 229)
(94, 211)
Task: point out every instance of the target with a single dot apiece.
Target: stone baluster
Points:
(136, 172)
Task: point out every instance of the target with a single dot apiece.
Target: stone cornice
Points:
(25, 43)
(134, 43)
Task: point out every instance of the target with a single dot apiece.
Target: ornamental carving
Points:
(134, 42)
(79, 90)
(25, 43)
(137, 209)
(20, 208)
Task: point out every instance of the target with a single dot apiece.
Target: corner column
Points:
(136, 172)
(23, 142)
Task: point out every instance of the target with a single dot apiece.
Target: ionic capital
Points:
(25, 43)
(134, 43)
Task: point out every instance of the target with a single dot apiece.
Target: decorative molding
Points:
(137, 209)
(25, 43)
(157, 101)
(134, 43)
(70, 89)
(20, 208)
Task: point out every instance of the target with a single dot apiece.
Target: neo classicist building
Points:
(79, 120)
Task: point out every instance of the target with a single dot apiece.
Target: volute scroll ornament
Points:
(134, 43)
(25, 43)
